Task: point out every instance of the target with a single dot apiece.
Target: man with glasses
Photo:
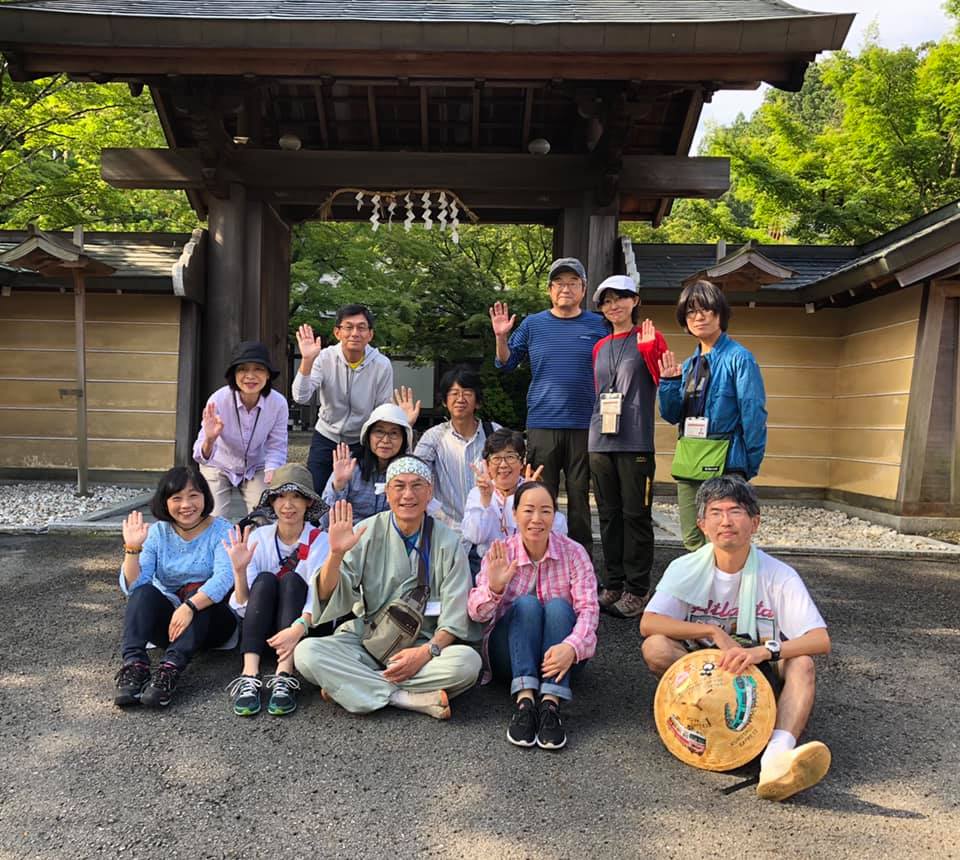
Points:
(559, 344)
(352, 377)
(733, 596)
(380, 560)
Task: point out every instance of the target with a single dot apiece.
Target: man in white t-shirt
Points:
(788, 625)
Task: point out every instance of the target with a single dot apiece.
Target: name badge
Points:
(611, 405)
(696, 428)
(379, 489)
(432, 609)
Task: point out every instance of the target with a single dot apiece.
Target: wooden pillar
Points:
(80, 321)
(188, 369)
(589, 237)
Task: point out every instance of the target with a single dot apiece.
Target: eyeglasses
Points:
(503, 459)
(349, 328)
(392, 435)
(398, 487)
(699, 312)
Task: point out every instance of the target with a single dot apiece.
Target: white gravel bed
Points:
(802, 526)
(34, 504)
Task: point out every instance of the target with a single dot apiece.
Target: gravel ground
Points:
(34, 504)
(79, 778)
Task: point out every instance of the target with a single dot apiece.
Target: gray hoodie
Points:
(347, 396)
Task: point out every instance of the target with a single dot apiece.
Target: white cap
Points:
(392, 414)
(620, 283)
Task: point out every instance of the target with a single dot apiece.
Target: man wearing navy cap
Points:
(559, 345)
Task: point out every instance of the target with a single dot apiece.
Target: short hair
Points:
(465, 378)
(727, 487)
(532, 485)
(634, 314)
(707, 296)
(232, 379)
(172, 482)
(500, 440)
(353, 311)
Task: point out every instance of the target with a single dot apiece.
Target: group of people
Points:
(392, 570)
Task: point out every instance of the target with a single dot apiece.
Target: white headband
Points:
(409, 466)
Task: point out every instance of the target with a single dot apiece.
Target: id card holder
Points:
(696, 428)
(432, 609)
(611, 405)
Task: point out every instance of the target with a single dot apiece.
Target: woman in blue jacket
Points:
(718, 395)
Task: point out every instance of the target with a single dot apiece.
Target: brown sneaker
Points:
(629, 606)
(607, 598)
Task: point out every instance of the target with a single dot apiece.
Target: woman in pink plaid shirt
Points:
(537, 594)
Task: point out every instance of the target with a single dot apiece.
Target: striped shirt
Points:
(561, 393)
(450, 455)
(564, 571)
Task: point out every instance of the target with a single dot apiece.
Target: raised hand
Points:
(403, 397)
(500, 570)
(212, 423)
(669, 369)
(310, 346)
(531, 474)
(484, 484)
(238, 548)
(647, 333)
(341, 533)
(501, 320)
(343, 466)
(134, 530)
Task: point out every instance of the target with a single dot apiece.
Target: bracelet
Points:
(193, 608)
(132, 550)
(306, 629)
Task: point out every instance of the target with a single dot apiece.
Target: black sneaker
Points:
(283, 695)
(522, 731)
(159, 691)
(245, 694)
(130, 680)
(550, 733)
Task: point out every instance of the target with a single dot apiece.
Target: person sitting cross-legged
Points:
(698, 601)
(383, 557)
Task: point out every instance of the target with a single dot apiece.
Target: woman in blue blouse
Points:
(176, 574)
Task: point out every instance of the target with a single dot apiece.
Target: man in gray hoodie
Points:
(353, 378)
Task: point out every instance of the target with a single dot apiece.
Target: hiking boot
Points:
(608, 597)
(550, 733)
(159, 692)
(629, 606)
(522, 731)
(130, 681)
(283, 696)
(245, 693)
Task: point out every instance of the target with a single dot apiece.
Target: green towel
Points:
(690, 577)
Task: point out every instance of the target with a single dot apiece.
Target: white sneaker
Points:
(794, 770)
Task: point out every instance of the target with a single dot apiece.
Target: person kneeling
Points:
(388, 555)
(271, 569)
(537, 591)
(697, 603)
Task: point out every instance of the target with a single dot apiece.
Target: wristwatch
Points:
(773, 646)
(434, 649)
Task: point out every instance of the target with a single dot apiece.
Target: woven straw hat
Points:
(711, 718)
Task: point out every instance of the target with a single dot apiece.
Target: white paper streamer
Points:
(454, 222)
(390, 210)
(427, 222)
(359, 199)
(442, 213)
(375, 217)
(408, 221)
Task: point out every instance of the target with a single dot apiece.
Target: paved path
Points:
(79, 778)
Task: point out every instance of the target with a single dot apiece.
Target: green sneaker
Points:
(245, 693)
(283, 695)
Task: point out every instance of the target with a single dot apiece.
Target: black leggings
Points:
(147, 619)
(272, 605)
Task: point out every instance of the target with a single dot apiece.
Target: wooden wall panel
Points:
(809, 381)
(882, 445)
(868, 479)
(894, 342)
(778, 471)
(129, 395)
(154, 426)
(800, 411)
(882, 377)
(814, 442)
(893, 308)
(881, 411)
(785, 351)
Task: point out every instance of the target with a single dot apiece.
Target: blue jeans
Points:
(521, 638)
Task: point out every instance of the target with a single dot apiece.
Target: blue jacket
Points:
(736, 402)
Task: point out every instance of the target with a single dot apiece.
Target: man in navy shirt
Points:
(559, 344)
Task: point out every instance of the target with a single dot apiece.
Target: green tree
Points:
(51, 134)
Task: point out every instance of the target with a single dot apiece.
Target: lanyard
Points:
(411, 544)
(702, 396)
(240, 430)
(616, 366)
(280, 557)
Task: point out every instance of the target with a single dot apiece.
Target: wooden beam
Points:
(652, 175)
(372, 111)
(527, 118)
(321, 115)
(424, 120)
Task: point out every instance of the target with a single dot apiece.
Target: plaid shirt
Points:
(565, 571)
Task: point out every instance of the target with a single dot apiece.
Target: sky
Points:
(900, 22)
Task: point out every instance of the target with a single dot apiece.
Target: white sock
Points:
(430, 703)
(781, 741)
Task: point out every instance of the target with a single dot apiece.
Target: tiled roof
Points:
(491, 11)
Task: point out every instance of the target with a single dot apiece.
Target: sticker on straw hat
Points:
(711, 718)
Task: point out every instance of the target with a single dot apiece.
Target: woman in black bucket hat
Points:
(243, 435)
